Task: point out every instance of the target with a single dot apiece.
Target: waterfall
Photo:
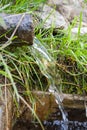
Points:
(47, 66)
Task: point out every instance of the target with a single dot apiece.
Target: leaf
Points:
(10, 76)
(5, 6)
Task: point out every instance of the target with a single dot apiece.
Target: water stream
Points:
(47, 66)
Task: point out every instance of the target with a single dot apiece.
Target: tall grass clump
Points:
(19, 68)
(69, 50)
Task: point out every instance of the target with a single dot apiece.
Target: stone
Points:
(54, 2)
(83, 30)
(6, 110)
(70, 9)
(51, 18)
(24, 33)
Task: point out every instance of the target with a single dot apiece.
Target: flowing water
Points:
(47, 66)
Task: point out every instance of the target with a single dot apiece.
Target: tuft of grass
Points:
(18, 67)
(70, 52)
(18, 6)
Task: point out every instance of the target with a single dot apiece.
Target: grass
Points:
(70, 52)
(20, 67)
(16, 6)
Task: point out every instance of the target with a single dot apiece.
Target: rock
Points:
(2, 109)
(66, 2)
(54, 2)
(51, 18)
(45, 105)
(24, 31)
(67, 12)
(6, 110)
(70, 9)
(83, 30)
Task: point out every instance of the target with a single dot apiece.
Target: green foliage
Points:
(20, 6)
(70, 51)
(85, 1)
(19, 68)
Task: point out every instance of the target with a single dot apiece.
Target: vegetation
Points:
(18, 65)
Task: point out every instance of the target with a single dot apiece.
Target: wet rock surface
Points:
(59, 125)
(51, 125)
(77, 121)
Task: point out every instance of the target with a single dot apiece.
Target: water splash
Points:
(47, 66)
